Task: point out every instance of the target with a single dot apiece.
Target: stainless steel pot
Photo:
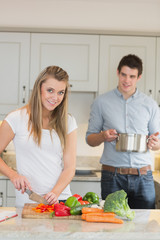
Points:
(127, 142)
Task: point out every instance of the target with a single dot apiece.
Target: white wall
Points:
(111, 15)
(79, 107)
(128, 16)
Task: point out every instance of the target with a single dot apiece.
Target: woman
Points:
(44, 136)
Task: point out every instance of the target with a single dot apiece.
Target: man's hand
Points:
(153, 141)
(110, 135)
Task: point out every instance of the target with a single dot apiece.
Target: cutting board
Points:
(27, 212)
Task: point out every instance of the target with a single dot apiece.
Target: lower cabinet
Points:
(7, 193)
(82, 187)
(10, 198)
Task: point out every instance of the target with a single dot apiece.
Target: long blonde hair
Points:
(58, 117)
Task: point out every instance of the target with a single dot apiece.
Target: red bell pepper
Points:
(79, 197)
(83, 202)
(61, 210)
(62, 213)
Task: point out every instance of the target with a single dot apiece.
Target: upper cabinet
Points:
(158, 72)
(113, 48)
(75, 53)
(14, 71)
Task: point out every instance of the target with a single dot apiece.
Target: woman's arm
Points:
(6, 135)
(69, 157)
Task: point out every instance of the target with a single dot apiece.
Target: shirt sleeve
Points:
(95, 123)
(72, 125)
(12, 120)
(154, 123)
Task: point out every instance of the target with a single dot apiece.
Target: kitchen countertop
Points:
(95, 177)
(146, 225)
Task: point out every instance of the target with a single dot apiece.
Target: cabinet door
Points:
(158, 72)
(14, 70)
(77, 54)
(3, 193)
(113, 48)
(10, 189)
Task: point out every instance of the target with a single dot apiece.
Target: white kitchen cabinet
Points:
(158, 72)
(75, 53)
(113, 48)
(82, 187)
(14, 71)
(7, 193)
(10, 194)
(3, 193)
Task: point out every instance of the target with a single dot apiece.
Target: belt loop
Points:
(115, 173)
(139, 173)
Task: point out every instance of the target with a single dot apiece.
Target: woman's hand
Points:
(153, 141)
(51, 198)
(20, 182)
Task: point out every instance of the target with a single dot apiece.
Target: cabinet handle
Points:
(150, 93)
(159, 98)
(1, 199)
(24, 94)
(70, 85)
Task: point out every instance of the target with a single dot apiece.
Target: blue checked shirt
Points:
(138, 114)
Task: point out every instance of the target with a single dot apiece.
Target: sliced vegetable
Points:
(95, 218)
(91, 197)
(43, 208)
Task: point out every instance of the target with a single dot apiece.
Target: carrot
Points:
(92, 218)
(83, 216)
(109, 214)
(92, 210)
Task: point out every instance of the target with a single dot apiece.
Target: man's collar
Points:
(121, 95)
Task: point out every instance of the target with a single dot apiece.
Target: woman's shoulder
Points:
(72, 124)
(18, 113)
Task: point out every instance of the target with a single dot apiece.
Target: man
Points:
(126, 110)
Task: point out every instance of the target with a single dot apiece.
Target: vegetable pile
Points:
(115, 204)
(118, 203)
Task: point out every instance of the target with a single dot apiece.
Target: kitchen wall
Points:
(82, 15)
(79, 106)
(128, 17)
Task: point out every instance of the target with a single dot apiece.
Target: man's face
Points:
(128, 78)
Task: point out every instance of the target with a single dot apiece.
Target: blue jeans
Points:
(139, 188)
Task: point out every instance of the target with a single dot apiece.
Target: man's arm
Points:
(95, 139)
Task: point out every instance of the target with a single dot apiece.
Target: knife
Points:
(35, 197)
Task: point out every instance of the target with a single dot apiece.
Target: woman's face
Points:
(52, 93)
